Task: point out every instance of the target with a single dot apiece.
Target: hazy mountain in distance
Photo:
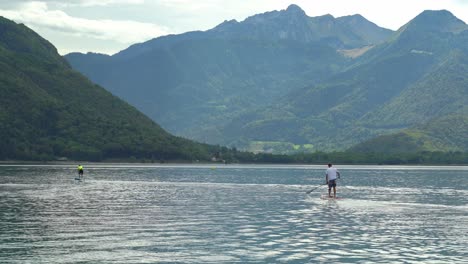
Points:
(195, 83)
(293, 24)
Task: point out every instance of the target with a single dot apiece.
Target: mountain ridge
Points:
(436, 20)
(293, 23)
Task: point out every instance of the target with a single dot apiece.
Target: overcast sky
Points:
(108, 26)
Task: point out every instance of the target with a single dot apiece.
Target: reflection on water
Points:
(232, 214)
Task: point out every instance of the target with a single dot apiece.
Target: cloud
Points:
(86, 3)
(38, 16)
(190, 5)
(101, 2)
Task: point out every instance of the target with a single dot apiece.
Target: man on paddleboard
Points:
(330, 176)
(80, 171)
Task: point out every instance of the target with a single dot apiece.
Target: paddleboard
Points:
(326, 197)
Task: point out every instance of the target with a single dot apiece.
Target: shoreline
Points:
(231, 165)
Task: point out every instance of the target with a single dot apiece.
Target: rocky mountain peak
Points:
(436, 20)
(296, 10)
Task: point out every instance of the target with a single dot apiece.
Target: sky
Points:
(108, 26)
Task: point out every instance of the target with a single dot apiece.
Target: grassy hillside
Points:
(447, 133)
(47, 110)
(441, 91)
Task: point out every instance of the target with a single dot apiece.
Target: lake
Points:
(232, 214)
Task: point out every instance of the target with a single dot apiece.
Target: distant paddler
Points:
(80, 171)
(330, 176)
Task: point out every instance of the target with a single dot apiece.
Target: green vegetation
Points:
(48, 111)
(448, 133)
(372, 158)
(414, 158)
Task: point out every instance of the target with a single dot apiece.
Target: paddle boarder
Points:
(80, 171)
(330, 177)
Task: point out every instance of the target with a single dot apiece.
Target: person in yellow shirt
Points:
(80, 171)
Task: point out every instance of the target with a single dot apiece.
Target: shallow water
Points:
(232, 214)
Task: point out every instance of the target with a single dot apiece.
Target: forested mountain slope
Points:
(448, 133)
(49, 111)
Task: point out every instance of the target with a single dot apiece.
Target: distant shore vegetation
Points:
(226, 155)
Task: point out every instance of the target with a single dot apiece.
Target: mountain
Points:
(285, 82)
(419, 74)
(293, 24)
(195, 84)
(49, 111)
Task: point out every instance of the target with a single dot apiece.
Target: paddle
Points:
(314, 189)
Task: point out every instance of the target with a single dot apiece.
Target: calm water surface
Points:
(232, 214)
